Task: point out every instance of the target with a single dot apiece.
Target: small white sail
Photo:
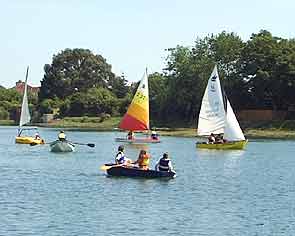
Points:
(232, 129)
(25, 116)
(212, 114)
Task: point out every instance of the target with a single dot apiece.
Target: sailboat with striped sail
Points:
(137, 116)
(217, 117)
(25, 118)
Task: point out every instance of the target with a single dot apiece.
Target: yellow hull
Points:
(28, 140)
(224, 146)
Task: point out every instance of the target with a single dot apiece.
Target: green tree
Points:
(75, 70)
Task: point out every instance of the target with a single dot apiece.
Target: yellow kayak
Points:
(28, 140)
(224, 146)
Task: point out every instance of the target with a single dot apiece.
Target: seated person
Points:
(164, 164)
(154, 135)
(121, 159)
(219, 139)
(143, 160)
(130, 135)
(62, 136)
(37, 136)
(211, 138)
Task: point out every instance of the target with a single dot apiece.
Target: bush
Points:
(4, 114)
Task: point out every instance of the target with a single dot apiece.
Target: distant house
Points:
(20, 86)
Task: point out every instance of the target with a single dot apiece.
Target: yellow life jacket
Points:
(145, 160)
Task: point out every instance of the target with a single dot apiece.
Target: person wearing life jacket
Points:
(211, 138)
(164, 163)
(62, 136)
(130, 135)
(154, 135)
(37, 136)
(143, 160)
(121, 159)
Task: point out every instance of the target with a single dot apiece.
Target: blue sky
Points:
(131, 35)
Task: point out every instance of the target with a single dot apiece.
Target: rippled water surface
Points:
(249, 192)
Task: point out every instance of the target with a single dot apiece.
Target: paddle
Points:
(87, 144)
(108, 166)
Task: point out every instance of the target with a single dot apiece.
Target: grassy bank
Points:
(275, 129)
(93, 123)
(7, 122)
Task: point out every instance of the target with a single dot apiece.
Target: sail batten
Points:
(25, 116)
(137, 115)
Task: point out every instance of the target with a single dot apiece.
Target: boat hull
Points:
(224, 146)
(136, 172)
(28, 140)
(138, 140)
(61, 146)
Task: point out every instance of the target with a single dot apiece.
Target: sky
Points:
(130, 34)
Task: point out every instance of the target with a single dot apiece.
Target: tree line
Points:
(256, 74)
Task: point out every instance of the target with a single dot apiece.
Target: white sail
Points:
(212, 114)
(25, 116)
(232, 129)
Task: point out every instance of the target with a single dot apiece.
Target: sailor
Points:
(62, 136)
(121, 159)
(211, 138)
(164, 163)
(37, 136)
(130, 135)
(154, 135)
(143, 160)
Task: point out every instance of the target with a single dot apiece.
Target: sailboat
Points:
(137, 116)
(217, 117)
(25, 118)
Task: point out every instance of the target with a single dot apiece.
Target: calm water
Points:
(249, 192)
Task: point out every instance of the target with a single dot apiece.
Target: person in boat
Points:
(37, 136)
(154, 135)
(130, 135)
(211, 138)
(219, 139)
(143, 160)
(164, 164)
(121, 159)
(62, 136)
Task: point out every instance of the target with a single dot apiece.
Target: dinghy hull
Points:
(136, 172)
(138, 140)
(28, 140)
(61, 146)
(224, 146)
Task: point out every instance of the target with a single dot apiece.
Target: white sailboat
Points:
(25, 118)
(217, 117)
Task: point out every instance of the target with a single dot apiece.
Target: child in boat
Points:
(211, 138)
(130, 135)
(219, 139)
(154, 135)
(62, 136)
(164, 164)
(121, 159)
(143, 160)
(37, 136)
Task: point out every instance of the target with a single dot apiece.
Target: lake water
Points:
(249, 192)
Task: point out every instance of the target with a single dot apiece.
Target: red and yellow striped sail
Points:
(137, 115)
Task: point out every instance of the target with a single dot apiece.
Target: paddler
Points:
(62, 136)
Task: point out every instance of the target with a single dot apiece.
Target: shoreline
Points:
(113, 123)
